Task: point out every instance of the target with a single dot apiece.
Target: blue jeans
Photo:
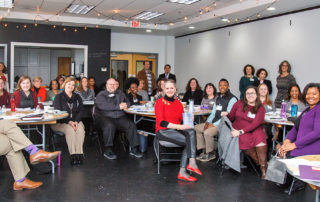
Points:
(143, 142)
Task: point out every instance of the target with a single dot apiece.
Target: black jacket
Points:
(196, 96)
(171, 76)
(267, 82)
(63, 102)
(132, 101)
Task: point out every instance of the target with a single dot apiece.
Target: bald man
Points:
(110, 117)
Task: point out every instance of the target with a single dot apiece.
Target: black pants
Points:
(184, 138)
(109, 126)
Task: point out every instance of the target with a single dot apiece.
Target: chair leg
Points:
(158, 156)
(291, 186)
(252, 165)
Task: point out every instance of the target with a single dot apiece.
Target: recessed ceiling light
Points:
(188, 2)
(271, 8)
(147, 15)
(224, 19)
(79, 9)
(148, 30)
(192, 27)
(6, 3)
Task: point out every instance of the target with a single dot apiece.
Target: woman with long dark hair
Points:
(193, 92)
(294, 97)
(247, 116)
(54, 89)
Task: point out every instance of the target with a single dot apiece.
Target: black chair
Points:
(157, 144)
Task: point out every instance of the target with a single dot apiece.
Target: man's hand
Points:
(123, 105)
(224, 113)
(208, 125)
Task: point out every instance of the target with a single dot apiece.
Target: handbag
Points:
(276, 171)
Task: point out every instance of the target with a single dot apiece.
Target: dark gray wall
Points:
(98, 41)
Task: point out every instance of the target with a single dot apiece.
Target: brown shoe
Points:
(253, 154)
(26, 184)
(43, 156)
(262, 156)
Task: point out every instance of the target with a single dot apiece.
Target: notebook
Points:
(311, 173)
(33, 117)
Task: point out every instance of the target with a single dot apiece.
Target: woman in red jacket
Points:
(247, 116)
(24, 96)
(4, 95)
(40, 91)
(169, 110)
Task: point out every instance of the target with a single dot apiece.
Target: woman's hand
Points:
(235, 133)
(184, 127)
(143, 102)
(289, 147)
(73, 124)
(224, 113)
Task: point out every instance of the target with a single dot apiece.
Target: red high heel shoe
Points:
(187, 179)
(195, 170)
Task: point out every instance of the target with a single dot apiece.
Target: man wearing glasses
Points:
(110, 117)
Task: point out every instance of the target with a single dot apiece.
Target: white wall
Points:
(212, 55)
(144, 43)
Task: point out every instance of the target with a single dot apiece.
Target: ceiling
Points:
(176, 19)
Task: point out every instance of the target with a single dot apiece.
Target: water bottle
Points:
(191, 105)
(294, 110)
(12, 104)
(283, 109)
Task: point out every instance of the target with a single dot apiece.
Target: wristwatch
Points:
(240, 132)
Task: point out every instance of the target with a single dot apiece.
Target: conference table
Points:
(144, 113)
(49, 118)
(275, 119)
(293, 170)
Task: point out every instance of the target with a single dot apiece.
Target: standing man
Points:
(206, 131)
(110, 117)
(148, 77)
(167, 74)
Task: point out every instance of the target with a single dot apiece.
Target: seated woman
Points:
(86, 93)
(264, 97)
(53, 90)
(169, 112)
(304, 137)
(60, 78)
(41, 91)
(193, 92)
(133, 97)
(24, 97)
(4, 75)
(141, 92)
(209, 96)
(262, 75)
(159, 91)
(71, 126)
(247, 80)
(12, 142)
(4, 95)
(92, 85)
(247, 116)
(294, 97)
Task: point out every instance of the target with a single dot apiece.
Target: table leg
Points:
(284, 133)
(135, 118)
(44, 145)
(317, 195)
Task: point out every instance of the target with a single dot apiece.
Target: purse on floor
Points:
(276, 171)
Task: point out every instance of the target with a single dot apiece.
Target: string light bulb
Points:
(38, 9)
(116, 11)
(200, 13)
(75, 30)
(85, 28)
(54, 26)
(171, 24)
(5, 25)
(35, 24)
(97, 26)
(99, 14)
(25, 26)
(258, 15)
(64, 29)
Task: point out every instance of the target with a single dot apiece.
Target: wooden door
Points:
(64, 65)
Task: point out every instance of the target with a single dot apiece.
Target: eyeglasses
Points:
(251, 93)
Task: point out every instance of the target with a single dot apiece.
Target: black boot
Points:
(73, 159)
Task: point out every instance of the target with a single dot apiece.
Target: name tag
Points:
(135, 100)
(250, 115)
(251, 79)
(219, 107)
(212, 102)
(269, 107)
(111, 95)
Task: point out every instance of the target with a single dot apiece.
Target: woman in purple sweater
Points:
(304, 138)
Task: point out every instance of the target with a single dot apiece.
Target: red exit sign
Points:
(135, 23)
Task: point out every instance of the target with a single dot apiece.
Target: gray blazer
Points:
(228, 146)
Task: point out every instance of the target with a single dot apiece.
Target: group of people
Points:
(246, 114)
